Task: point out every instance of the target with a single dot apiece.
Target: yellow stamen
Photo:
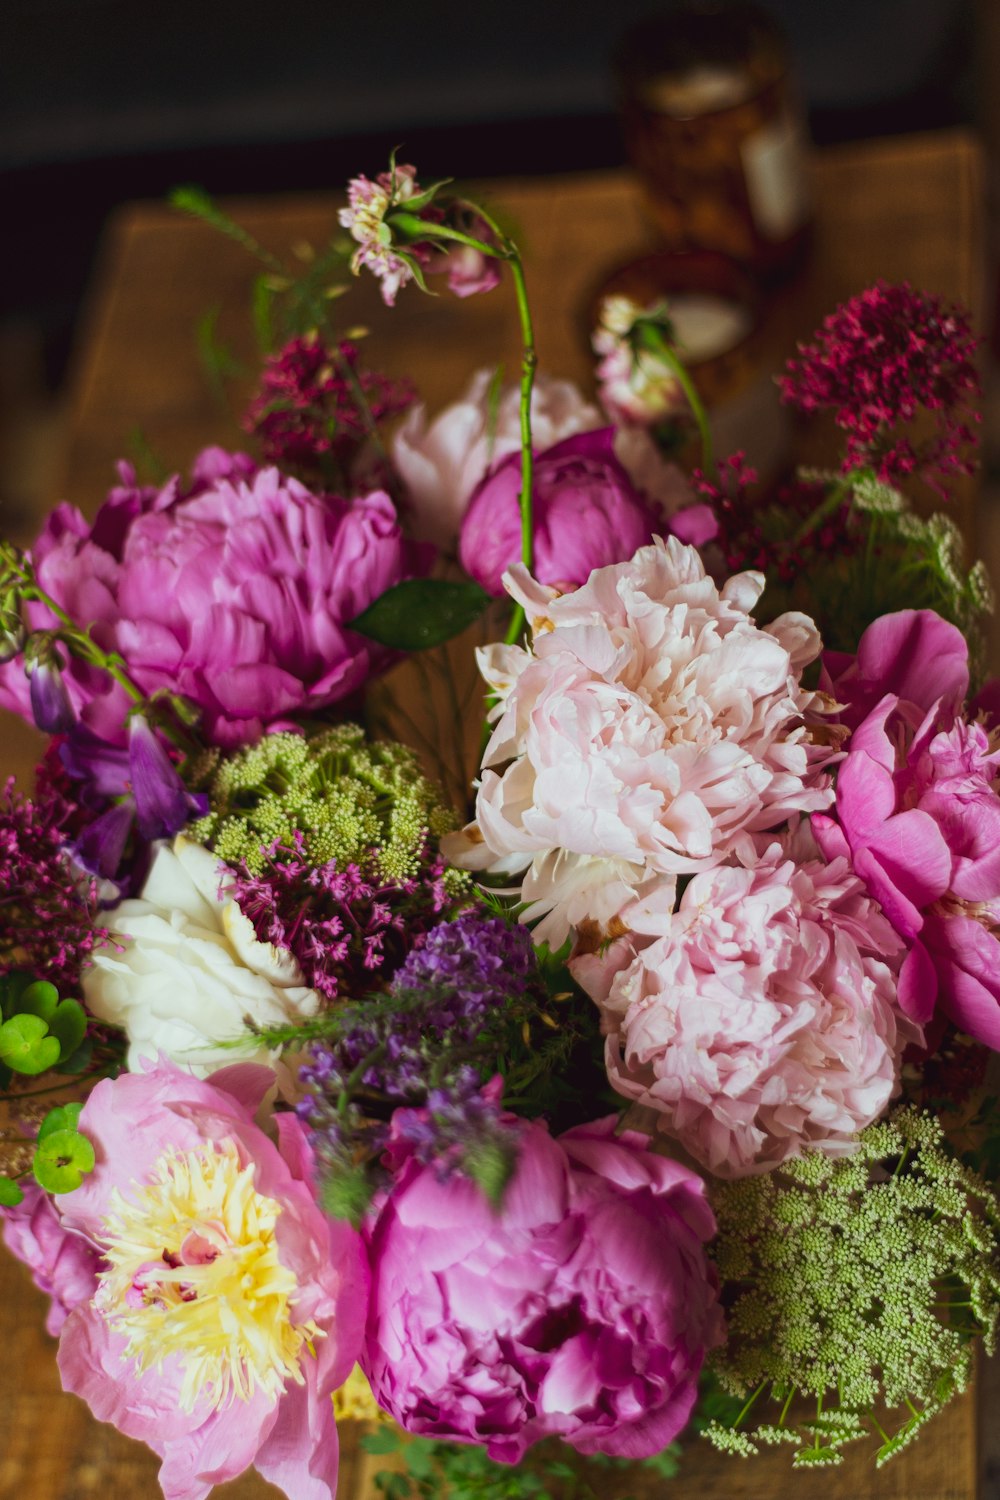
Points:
(194, 1271)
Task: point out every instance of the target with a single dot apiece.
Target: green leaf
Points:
(39, 998)
(263, 294)
(11, 987)
(421, 612)
(25, 1045)
(61, 1160)
(196, 202)
(63, 1117)
(80, 1060)
(10, 1193)
(69, 1027)
(394, 1486)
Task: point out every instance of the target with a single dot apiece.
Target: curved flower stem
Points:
(656, 344)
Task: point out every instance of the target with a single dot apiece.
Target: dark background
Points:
(106, 100)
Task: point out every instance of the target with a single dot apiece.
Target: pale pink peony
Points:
(229, 1307)
(234, 592)
(649, 725)
(581, 1309)
(763, 1021)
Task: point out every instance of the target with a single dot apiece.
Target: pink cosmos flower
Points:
(918, 810)
(585, 512)
(63, 1265)
(649, 725)
(229, 1307)
(582, 1310)
(234, 593)
(763, 1021)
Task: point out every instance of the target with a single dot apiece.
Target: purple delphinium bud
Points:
(50, 705)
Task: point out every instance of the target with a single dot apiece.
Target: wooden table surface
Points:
(909, 208)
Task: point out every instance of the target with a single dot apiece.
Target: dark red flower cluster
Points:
(771, 534)
(314, 401)
(47, 908)
(878, 362)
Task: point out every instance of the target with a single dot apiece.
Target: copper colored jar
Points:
(715, 130)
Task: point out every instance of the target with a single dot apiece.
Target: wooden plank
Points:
(903, 209)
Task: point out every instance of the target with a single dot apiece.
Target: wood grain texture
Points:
(905, 209)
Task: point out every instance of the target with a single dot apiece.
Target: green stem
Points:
(831, 503)
(657, 344)
(749, 1404)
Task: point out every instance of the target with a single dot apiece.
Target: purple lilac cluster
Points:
(315, 401)
(419, 1045)
(877, 362)
(47, 910)
(340, 925)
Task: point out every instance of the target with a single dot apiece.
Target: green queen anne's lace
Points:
(860, 1283)
(351, 800)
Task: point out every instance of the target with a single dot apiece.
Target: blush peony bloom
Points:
(583, 1310)
(649, 725)
(187, 972)
(63, 1265)
(234, 593)
(763, 1022)
(918, 810)
(585, 514)
(229, 1307)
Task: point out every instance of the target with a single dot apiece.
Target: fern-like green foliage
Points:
(351, 800)
(860, 1283)
(893, 559)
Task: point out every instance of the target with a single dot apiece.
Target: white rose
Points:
(191, 972)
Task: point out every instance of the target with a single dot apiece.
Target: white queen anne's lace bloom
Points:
(191, 972)
(651, 723)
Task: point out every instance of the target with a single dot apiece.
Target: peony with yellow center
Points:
(194, 1271)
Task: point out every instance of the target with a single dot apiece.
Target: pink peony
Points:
(229, 1308)
(583, 1310)
(649, 725)
(913, 653)
(441, 463)
(234, 593)
(586, 514)
(62, 1265)
(918, 811)
(763, 1021)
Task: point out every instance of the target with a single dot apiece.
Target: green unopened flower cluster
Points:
(353, 801)
(860, 1283)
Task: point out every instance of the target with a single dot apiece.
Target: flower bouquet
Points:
(641, 1084)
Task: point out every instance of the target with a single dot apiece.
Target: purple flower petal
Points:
(163, 803)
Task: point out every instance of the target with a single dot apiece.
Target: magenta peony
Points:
(229, 1307)
(234, 593)
(583, 1310)
(918, 811)
(764, 1021)
(62, 1265)
(586, 514)
(649, 725)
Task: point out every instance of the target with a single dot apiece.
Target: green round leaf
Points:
(10, 1193)
(25, 1045)
(68, 1025)
(79, 1061)
(61, 1160)
(63, 1117)
(37, 999)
